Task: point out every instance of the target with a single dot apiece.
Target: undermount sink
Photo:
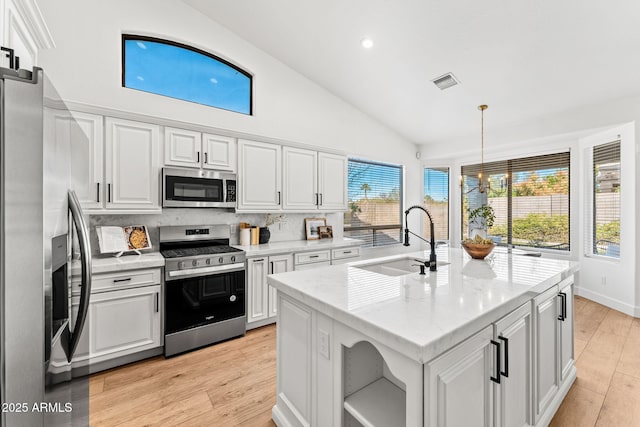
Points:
(396, 267)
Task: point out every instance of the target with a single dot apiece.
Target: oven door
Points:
(197, 301)
(197, 188)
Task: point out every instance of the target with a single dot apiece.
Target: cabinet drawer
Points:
(311, 257)
(311, 266)
(120, 280)
(346, 253)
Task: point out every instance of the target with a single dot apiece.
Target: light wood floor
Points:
(233, 383)
(607, 352)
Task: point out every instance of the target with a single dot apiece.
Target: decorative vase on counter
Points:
(265, 235)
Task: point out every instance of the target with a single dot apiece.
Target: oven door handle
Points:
(172, 275)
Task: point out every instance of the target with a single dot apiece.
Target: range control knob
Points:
(232, 298)
(194, 263)
(208, 261)
(181, 265)
(220, 260)
(233, 258)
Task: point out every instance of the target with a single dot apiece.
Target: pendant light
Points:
(481, 174)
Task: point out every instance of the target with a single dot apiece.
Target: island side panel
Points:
(294, 364)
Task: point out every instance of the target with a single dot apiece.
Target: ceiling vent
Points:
(445, 81)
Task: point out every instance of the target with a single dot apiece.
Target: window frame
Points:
(507, 164)
(590, 202)
(129, 37)
(399, 226)
(448, 168)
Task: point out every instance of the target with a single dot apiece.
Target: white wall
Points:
(85, 68)
(576, 130)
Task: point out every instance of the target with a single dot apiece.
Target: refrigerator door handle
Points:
(85, 256)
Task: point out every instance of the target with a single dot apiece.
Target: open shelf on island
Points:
(381, 403)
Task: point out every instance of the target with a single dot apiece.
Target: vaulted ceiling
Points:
(525, 58)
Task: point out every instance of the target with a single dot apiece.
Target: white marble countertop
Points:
(273, 248)
(106, 264)
(422, 316)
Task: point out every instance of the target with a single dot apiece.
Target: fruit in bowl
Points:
(478, 248)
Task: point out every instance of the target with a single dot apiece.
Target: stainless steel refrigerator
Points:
(39, 330)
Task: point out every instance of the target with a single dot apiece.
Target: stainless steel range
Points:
(204, 287)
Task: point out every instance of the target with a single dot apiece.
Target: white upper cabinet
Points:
(300, 179)
(192, 149)
(83, 135)
(132, 164)
(332, 182)
(24, 31)
(87, 145)
(311, 180)
(182, 147)
(259, 175)
(219, 152)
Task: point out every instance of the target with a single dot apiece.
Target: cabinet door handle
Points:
(496, 379)
(317, 199)
(278, 197)
(563, 309)
(198, 154)
(206, 157)
(98, 192)
(506, 356)
(320, 204)
(157, 302)
(108, 193)
(314, 256)
(271, 267)
(346, 252)
(258, 260)
(121, 280)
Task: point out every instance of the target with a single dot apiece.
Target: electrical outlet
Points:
(323, 343)
(233, 228)
(283, 225)
(603, 280)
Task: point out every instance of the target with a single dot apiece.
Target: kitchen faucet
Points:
(432, 257)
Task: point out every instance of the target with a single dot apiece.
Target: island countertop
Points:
(422, 316)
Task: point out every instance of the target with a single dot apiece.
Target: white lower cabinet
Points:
(277, 264)
(120, 323)
(458, 390)
(512, 373)
(513, 394)
(546, 346)
(262, 302)
(553, 347)
(262, 299)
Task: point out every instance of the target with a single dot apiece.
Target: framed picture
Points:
(325, 232)
(312, 225)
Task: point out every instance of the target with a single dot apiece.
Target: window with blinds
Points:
(375, 202)
(436, 201)
(530, 198)
(606, 200)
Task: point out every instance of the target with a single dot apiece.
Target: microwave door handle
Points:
(85, 256)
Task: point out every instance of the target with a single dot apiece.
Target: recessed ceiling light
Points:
(366, 43)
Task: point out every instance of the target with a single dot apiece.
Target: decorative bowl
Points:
(478, 250)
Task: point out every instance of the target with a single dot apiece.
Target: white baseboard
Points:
(613, 303)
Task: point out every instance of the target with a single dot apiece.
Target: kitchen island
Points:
(376, 343)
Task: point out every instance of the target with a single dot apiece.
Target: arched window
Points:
(178, 71)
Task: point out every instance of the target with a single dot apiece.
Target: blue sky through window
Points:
(177, 72)
(436, 184)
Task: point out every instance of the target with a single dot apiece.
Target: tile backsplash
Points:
(292, 228)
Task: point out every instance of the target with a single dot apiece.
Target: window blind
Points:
(606, 200)
(436, 201)
(530, 198)
(375, 202)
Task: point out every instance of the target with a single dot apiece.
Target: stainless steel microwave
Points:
(198, 188)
